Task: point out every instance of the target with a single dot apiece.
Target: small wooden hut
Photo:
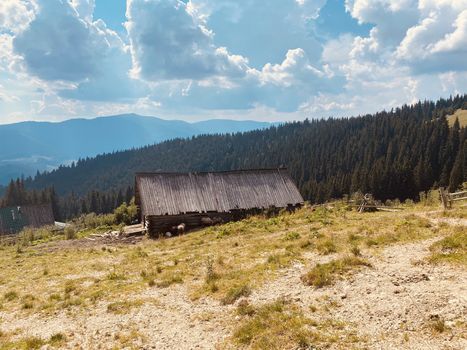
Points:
(197, 199)
(14, 219)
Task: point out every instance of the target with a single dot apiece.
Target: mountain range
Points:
(28, 147)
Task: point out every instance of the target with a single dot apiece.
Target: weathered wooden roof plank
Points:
(177, 193)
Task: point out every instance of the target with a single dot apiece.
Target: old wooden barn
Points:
(14, 219)
(196, 199)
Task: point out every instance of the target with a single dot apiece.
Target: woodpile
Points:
(369, 204)
(129, 234)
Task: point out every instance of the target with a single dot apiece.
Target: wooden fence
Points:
(448, 198)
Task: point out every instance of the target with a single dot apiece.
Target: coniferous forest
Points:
(391, 154)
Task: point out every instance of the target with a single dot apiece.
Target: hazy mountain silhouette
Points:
(30, 146)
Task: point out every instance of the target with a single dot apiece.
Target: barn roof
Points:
(14, 219)
(179, 193)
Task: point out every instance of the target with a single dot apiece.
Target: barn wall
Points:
(158, 225)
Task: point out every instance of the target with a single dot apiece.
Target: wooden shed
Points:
(197, 199)
(14, 219)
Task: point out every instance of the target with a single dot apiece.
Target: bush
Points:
(126, 214)
(92, 221)
(28, 235)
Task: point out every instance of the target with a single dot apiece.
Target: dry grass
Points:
(252, 251)
(461, 115)
(283, 325)
(225, 262)
(279, 325)
(122, 307)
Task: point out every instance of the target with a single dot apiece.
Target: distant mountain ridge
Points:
(30, 146)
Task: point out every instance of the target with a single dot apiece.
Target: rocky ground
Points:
(400, 302)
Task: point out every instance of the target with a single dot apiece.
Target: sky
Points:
(274, 60)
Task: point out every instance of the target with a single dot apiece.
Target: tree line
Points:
(391, 154)
(66, 207)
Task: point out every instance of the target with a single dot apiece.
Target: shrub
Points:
(92, 221)
(126, 214)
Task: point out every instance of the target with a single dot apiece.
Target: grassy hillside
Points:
(287, 282)
(461, 115)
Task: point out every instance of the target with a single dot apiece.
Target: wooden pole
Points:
(443, 198)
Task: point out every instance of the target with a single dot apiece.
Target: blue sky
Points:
(200, 59)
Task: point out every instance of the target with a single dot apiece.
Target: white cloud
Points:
(169, 40)
(15, 15)
(226, 58)
(392, 66)
(295, 69)
(60, 45)
(439, 41)
(85, 8)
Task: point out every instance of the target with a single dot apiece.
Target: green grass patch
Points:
(451, 249)
(326, 274)
(169, 279)
(123, 307)
(326, 247)
(236, 293)
(278, 325)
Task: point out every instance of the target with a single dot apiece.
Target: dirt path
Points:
(392, 304)
(433, 216)
(167, 320)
